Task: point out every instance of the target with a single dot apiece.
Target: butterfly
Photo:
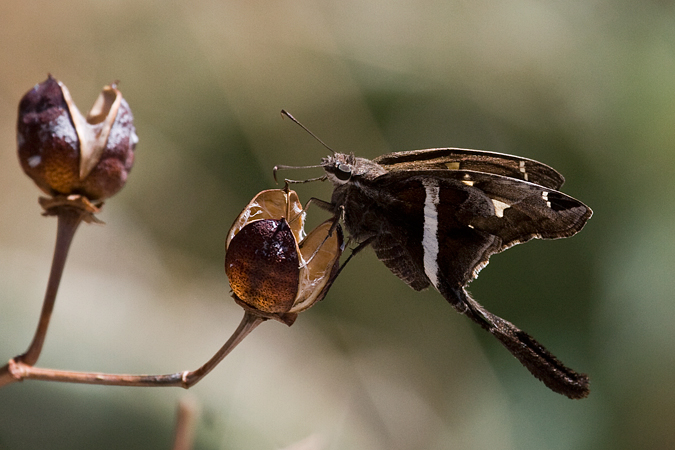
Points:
(435, 216)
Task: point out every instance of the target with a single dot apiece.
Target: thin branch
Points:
(68, 221)
(20, 371)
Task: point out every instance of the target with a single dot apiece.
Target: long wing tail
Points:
(531, 354)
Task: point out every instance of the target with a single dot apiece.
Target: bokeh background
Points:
(587, 87)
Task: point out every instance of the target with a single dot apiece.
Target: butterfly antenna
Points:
(297, 122)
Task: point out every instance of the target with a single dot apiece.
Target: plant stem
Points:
(19, 370)
(68, 221)
(185, 424)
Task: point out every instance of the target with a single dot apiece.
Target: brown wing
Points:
(399, 258)
(480, 214)
(475, 160)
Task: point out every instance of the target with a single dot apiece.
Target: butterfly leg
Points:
(534, 356)
(327, 206)
(278, 168)
(323, 204)
(356, 250)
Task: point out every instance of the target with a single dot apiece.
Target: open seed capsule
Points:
(274, 271)
(68, 154)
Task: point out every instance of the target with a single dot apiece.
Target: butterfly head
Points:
(342, 168)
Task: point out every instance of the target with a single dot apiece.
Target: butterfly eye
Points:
(343, 172)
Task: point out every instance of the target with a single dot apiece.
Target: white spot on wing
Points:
(521, 166)
(430, 236)
(544, 196)
(467, 180)
(499, 207)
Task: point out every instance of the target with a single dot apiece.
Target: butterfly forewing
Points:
(476, 160)
(520, 210)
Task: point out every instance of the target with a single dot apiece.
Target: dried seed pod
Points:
(262, 265)
(272, 270)
(66, 153)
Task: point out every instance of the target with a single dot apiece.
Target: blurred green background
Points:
(587, 87)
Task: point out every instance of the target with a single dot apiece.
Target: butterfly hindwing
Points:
(403, 233)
